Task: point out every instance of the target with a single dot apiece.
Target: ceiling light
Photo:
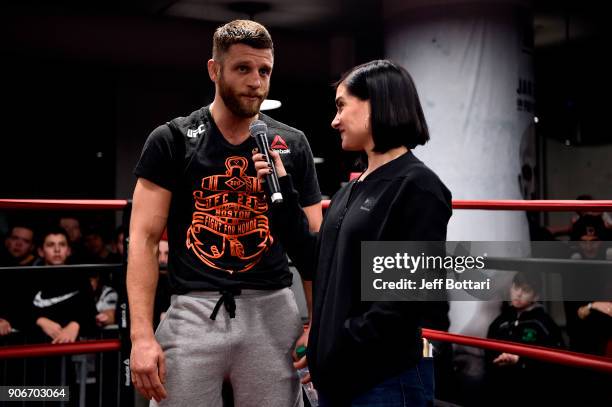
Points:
(270, 104)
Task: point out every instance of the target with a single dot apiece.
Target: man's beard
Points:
(236, 104)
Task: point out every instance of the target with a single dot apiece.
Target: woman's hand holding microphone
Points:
(262, 166)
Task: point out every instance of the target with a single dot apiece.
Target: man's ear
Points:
(41, 252)
(213, 69)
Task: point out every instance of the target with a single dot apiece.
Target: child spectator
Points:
(523, 321)
(63, 308)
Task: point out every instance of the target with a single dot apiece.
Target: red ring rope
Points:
(533, 205)
(525, 205)
(561, 357)
(556, 356)
(62, 204)
(505, 205)
(30, 351)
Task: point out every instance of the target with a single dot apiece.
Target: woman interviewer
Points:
(367, 353)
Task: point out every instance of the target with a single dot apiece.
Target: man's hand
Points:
(5, 327)
(302, 363)
(148, 367)
(49, 327)
(605, 307)
(68, 334)
(506, 359)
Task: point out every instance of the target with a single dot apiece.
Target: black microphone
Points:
(258, 130)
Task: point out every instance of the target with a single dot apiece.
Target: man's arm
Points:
(150, 207)
(314, 215)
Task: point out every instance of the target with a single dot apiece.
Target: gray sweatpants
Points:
(252, 350)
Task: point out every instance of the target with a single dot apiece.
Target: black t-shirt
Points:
(218, 228)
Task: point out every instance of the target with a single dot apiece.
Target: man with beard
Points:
(233, 317)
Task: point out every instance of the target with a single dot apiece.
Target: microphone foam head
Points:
(258, 127)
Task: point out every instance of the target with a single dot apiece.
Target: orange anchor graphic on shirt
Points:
(229, 230)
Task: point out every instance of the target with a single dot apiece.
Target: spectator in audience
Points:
(590, 232)
(118, 242)
(525, 321)
(589, 324)
(162, 256)
(63, 307)
(72, 226)
(19, 245)
(605, 216)
(567, 229)
(597, 314)
(106, 300)
(97, 251)
(15, 292)
(62, 310)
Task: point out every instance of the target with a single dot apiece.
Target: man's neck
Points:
(233, 128)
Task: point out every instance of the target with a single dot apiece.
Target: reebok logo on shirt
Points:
(279, 145)
(368, 204)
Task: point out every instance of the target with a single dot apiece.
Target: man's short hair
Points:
(53, 230)
(96, 229)
(22, 225)
(396, 116)
(240, 32)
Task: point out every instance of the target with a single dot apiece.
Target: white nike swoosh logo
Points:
(40, 302)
